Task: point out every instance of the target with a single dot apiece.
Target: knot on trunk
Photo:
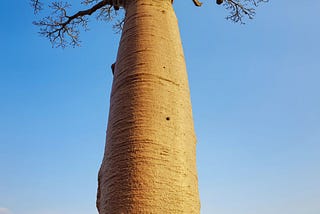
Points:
(117, 4)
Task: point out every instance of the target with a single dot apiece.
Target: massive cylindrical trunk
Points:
(149, 164)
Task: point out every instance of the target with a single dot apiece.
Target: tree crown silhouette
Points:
(63, 29)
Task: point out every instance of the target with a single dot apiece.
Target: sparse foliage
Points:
(63, 29)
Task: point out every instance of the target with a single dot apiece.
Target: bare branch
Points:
(118, 26)
(37, 6)
(239, 10)
(88, 2)
(106, 13)
(62, 29)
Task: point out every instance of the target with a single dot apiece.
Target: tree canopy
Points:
(63, 29)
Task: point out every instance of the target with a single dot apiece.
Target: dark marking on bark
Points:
(170, 81)
(168, 118)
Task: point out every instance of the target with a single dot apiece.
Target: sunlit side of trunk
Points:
(149, 164)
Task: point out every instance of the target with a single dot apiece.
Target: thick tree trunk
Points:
(149, 164)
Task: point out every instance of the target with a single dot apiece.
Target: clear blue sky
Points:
(256, 101)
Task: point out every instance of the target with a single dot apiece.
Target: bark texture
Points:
(149, 164)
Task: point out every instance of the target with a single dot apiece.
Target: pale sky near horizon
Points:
(256, 106)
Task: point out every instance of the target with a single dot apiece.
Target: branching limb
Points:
(37, 6)
(106, 13)
(118, 26)
(240, 9)
(88, 2)
(62, 29)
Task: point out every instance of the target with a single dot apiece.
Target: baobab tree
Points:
(149, 164)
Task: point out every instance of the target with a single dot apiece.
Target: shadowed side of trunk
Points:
(149, 163)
